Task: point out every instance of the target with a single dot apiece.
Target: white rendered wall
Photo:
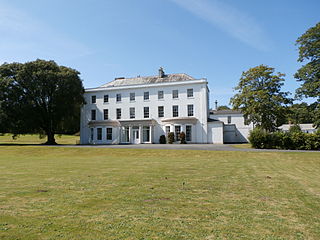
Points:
(199, 102)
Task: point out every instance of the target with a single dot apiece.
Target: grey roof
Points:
(179, 77)
(221, 112)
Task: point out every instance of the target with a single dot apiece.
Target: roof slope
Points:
(149, 80)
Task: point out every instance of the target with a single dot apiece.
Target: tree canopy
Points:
(39, 97)
(260, 98)
(309, 74)
(223, 107)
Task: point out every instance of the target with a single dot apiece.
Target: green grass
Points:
(242, 145)
(96, 193)
(34, 139)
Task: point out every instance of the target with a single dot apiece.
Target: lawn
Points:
(96, 193)
(34, 139)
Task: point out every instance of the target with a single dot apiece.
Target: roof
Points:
(303, 126)
(178, 77)
(222, 112)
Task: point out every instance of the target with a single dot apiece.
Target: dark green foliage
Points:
(162, 139)
(40, 97)
(183, 138)
(309, 74)
(223, 107)
(260, 98)
(170, 137)
(295, 128)
(294, 139)
(301, 113)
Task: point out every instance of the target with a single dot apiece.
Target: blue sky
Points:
(104, 39)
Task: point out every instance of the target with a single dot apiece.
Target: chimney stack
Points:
(161, 72)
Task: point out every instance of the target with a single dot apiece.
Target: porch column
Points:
(130, 133)
(151, 134)
(140, 134)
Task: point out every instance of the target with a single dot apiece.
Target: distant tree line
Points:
(40, 97)
(259, 96)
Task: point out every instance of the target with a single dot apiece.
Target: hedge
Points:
(294, 140)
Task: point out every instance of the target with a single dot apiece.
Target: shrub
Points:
(295, 128)
(162, 139)
(170, 137)
(258, 138)
(183, 138)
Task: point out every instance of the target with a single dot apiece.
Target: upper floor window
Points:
(146, 112)
(93, 99)
(190, 92)
(132, 112)
(175, 111)
(106, 98)
(146, 96)
(160, 111)
(132, 96)
(93, 114)
(190, 110)
(175, 94)
(118, 113)
(105, 114)
(229, 119)
(160, 94)
(118, 97)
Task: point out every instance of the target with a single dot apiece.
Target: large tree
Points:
(260, 98)
(309, 74)
(300, 113)
(39, 97)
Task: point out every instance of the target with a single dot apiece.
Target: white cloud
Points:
(228, 19)
(25, 38)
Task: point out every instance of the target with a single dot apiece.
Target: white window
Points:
(93, 114)
(190, 92)
(109, 133)
(146, 112)
(177, 130)
(146, 96)
(189, 133)
(132, 96)
(160, 111)
(175, 94)
(160, 95)
(105, 114)
(146, 134)
(118, 97)
(190, 110)
(132, 112)
(106, 98)
(118, 113)
(99, 133)
(175, 111)
(167, 130)
(93, 99)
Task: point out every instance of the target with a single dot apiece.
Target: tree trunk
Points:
(51, 140)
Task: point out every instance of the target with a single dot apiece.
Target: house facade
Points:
(140, 110)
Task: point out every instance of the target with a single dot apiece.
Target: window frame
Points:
(108, 134)
(188, 92)
(118, 97)
(177, 111)
(144, 112)
(146, 96)
(190, 112)
(93, 99)
(160, 95)
(189, 133)
(106, 98)
(132, 113)
(132, 96)
(175, 94)
(105, 114)
(99, 134)
(118, 113)
(160, 115)
(93, 114)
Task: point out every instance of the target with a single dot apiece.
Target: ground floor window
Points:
(167, 130)
(177, 130)
(109, 133)
(146, 134)
(125, 134)
(189, 133)
(99, 133)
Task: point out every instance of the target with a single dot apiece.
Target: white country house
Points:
(141, 109)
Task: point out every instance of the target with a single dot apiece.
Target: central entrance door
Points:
(135, 134)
